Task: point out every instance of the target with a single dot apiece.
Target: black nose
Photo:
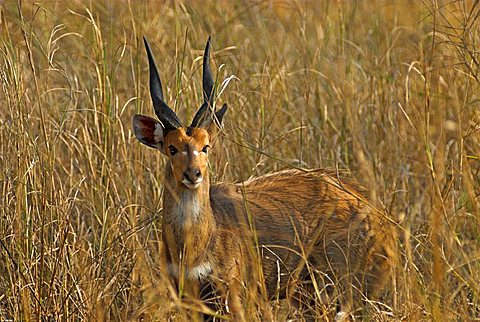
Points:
(192, 175)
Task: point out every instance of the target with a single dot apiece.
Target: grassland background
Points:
(389, 90)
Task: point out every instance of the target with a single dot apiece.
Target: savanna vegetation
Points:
(388, 91)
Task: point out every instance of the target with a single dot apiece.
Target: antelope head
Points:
(186, 146)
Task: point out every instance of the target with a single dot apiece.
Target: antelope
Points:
(299, 221)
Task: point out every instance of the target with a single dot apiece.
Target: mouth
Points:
(192, 185)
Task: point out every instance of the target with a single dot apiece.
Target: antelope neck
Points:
(188, 223)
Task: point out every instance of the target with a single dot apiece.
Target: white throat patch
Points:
(187, 208)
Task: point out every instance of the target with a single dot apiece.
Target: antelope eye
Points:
(205, 148)
(172, 150)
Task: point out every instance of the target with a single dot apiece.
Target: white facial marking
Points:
(184, 152)
(195, 152)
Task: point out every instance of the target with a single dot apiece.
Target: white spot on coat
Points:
(197, 272)
(200, 271)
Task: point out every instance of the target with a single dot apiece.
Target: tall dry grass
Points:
(389, 90)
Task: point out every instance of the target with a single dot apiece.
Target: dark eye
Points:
(205, 148)
(172, 150)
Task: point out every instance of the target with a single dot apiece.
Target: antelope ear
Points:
(149, 131)
(217, 122)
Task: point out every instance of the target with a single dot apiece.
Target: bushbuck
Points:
(298, 224)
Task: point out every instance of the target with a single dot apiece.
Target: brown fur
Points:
(211, 229)
(196, 141)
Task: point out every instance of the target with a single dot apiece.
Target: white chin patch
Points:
(190, 185)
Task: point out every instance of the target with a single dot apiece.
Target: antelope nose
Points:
(192, 175)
